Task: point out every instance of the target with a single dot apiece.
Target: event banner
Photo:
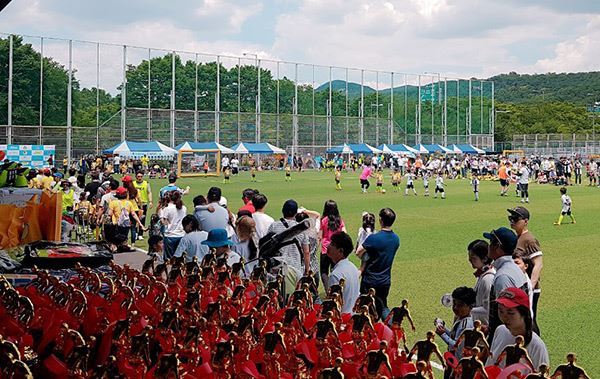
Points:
(30, 155)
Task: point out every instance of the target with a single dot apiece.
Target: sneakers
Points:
(140, 238)
(557, 224)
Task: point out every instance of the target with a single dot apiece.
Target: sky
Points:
(456, 38)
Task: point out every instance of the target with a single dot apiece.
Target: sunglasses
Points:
(514, 219)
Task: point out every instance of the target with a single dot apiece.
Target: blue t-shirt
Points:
(381, 248)
(168, 188)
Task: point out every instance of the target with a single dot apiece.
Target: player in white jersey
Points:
(410, 184)
(475, 184)
(439, 186)
(566, 207)
(426, 182)
(523, 182)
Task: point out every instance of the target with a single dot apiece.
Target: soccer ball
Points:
(383, 191)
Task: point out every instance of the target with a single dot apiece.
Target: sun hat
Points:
(217, 238)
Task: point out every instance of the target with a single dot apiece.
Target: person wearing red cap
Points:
(513, 308)
(121, 213)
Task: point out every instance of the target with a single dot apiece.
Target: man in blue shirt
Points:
(381, 249)
(172, 186)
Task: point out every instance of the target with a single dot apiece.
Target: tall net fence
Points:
(86, 96)
(556, 144)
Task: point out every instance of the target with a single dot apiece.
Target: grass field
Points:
(434, 233)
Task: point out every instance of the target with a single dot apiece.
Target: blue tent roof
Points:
(431, 148)
(133, 149)
(466, 148)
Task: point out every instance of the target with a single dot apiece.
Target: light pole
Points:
(433, 100)
(257, 107)
(376, 105)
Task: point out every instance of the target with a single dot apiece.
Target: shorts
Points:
(439, 189)
(337, 181)
(409, 186)
(364, 182)
(395, 184)
(523, 187)
(287, 175)
(503, 182)
(425, 185)
(379, 184)
(568, 212)
(234, 171)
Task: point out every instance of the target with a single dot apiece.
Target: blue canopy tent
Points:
(204, 146)
(431, 149)
(353, 148)
(465, 149)
(151, 149)
(400, 149)
(256, 148)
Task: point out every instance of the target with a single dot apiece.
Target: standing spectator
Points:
(145, 161)
(484, 272)
(117, 163)
(133, 197)
(145, 198)
(191, 242)
(298, 262)
(523, 182)
(513, 306)
(263, 221)
(213, 215)
(224, 162)
(91, 188)
(235, 166)
(331, 222)
(529, 246)
(381, 248)
(312, 235)
(247, 196)
(502, 245)
(172, 186)
(172, 217)
(339, 248)
(245, 242)
(121, 212)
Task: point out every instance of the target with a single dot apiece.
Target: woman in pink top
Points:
(364, 177)
(331, 222)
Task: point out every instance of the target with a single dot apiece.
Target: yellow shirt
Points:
(145, 161)
(84, 206)
(47, 182)
(143, 189)
(115, 207)
(338, 175)
(67, 199)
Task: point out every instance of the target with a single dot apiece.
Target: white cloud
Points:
(578, 54)
(215, 11)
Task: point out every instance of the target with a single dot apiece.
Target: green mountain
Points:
(581, 88)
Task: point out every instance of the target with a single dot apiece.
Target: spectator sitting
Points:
(191, 243)
(245, 241)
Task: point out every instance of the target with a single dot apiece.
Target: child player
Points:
(226, 175)
(252, 173)
(475, 184)
(379, 181)
(288, 173)
(426, 182)
(338, 178)
(566, 207)
(439, 186)
(410, 177)
(396, 179)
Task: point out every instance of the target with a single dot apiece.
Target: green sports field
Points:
(434, 233)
